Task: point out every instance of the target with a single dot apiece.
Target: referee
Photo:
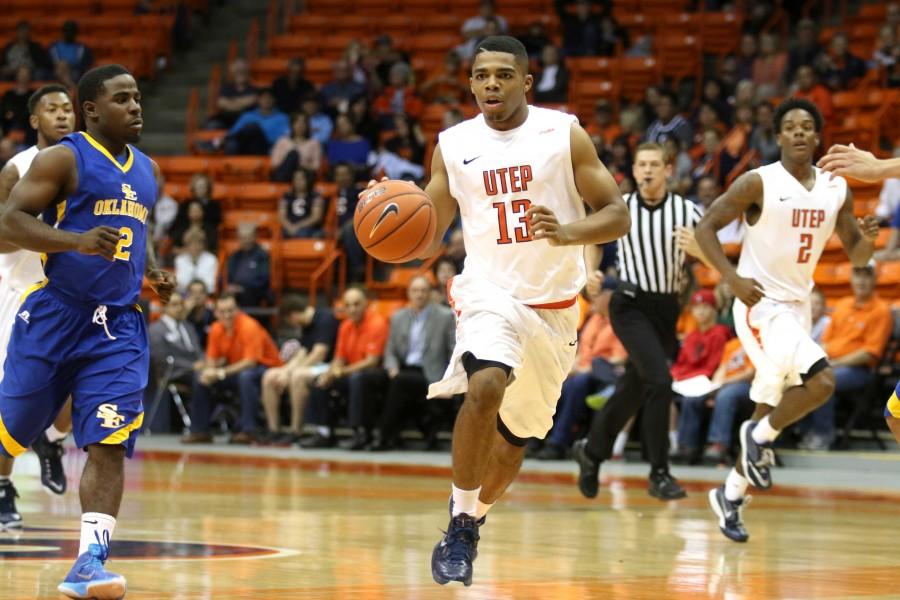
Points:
(644, 312)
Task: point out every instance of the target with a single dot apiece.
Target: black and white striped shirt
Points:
(648, 256)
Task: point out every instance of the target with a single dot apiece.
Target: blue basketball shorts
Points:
(58, 349)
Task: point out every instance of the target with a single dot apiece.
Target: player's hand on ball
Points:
(100, 241)
(372, 183)
(545, 226)
(746, 289)
(163, 283)
(868, 225)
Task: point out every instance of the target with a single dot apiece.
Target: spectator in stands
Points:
(197, 222)
(444, 270)
(476, 28)
(552, 79)
(236, 96)
(63, 74)
(668, 121)
(603, 124)
(346, 145)
(892, 15)
(354, 372)
(806, 87)
(736, 140)
(598, 365)
(887, 50)
(769, 67)
(199, 313)
(248, 269)
(302, 209)
(338, 93)
(586, 34)
(839, 68)
(201, 189)
(708, 189)
(725, 303)
(534, 40)
(707, 162)
(707, 118)
(746, 56)
(164, 211)
(14, 104)
(456, 249)
(399, 97)
(421, 341)
(726, 74)
(385, 55)
(306, 356)
(172, 336)
(680, 181)
(700, 354)
(449, 84)
(72, 52)
(320, 124)
(291, 88)
(238, 352)
(820, 318)
(406, 140)
(714, 96)
(364, 120)
(297, 150)
(854, 340)
(763, 137)
(25, 52)
(257, 130)
(195, 262)
(807, 49)
(744, 93)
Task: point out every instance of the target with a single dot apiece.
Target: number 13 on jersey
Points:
(520, 226)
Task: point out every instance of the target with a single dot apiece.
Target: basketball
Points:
(395, 221)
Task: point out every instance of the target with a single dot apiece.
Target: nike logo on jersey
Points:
(467, 161)
(390, 209)
(784, 199)
(573, 343)
(547, 131)
(25, 315)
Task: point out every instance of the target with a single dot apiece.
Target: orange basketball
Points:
(395, 221)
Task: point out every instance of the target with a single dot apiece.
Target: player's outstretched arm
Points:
(438, 189)
(51, 177)
(850, 161)
(610, 219)
(745, 192)
(857, 235)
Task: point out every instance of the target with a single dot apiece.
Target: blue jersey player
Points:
(79, 331)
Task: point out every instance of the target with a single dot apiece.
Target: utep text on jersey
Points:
(110, 193)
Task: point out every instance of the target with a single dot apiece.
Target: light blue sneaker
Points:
(88, 578)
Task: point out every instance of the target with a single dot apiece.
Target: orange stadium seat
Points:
(241, 169)
(306, 264)
(434, 46)
(291, 46)
(680, 56)
(426, 9)
(333, 8)
(319, 70)
(397, 25)
(584, 95)
(889, 280)
(309, 25)
(637, 24)
(267, 223)
(267, 69)
(636, 74)
(374, 8)
(258, 196)
(443, 24)
(678, 23)
(180, 169)
(656, 7)
(721, 32)
(387, 308)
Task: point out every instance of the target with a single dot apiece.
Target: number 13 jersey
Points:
(494, 177)
(781, 250)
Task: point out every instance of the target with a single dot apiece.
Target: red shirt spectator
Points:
(247, 340)
(400, 96)
(598, 340)
(357, 341)
(809, 89)
(701, 351)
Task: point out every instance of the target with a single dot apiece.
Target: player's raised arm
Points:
(744, 193)
(850, 161)
(610, 219)
(50, 178)
(857, 235)
(438, 189)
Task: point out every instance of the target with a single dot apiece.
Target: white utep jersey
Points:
(495, 176)
(781, 250)
(22, 269)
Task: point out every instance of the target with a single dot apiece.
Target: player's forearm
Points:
(861, 252)
(606, 225)
(889, 167)
(361, 365)
(24, 231)
(235, 368)
(712, 250)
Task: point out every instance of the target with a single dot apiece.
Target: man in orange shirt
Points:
(353, 372)
(238, 351)
(806, 87)
(854, 341)
(603, 124)
(598, 363)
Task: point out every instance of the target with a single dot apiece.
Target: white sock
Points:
(54, 434)
(482, 509)
(323, 431)
(673, 440)
(619, 444)
(735, 486)
(764, 433)
(94, 527)
(465, 501)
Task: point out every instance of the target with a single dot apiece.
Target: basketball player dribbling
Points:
(850, 161)
(52, 116)
(791, 208)
(519, 175)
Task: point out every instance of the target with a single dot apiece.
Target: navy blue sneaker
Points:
(88, 578)
(9, 515)
(53, 476)
(588, 470)
(755, 459)
(452, 557)
(730, 514)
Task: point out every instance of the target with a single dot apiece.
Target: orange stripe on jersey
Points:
(556, 305)
(450, 298)
(753, 329)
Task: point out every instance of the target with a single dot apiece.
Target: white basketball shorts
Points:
(10, 300)
(776, 337)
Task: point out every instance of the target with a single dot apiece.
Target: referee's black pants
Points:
(645, 324)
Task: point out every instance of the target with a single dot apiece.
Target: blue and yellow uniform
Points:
(79, 331)
(893, 404)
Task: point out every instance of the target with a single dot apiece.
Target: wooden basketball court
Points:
(282, 524)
